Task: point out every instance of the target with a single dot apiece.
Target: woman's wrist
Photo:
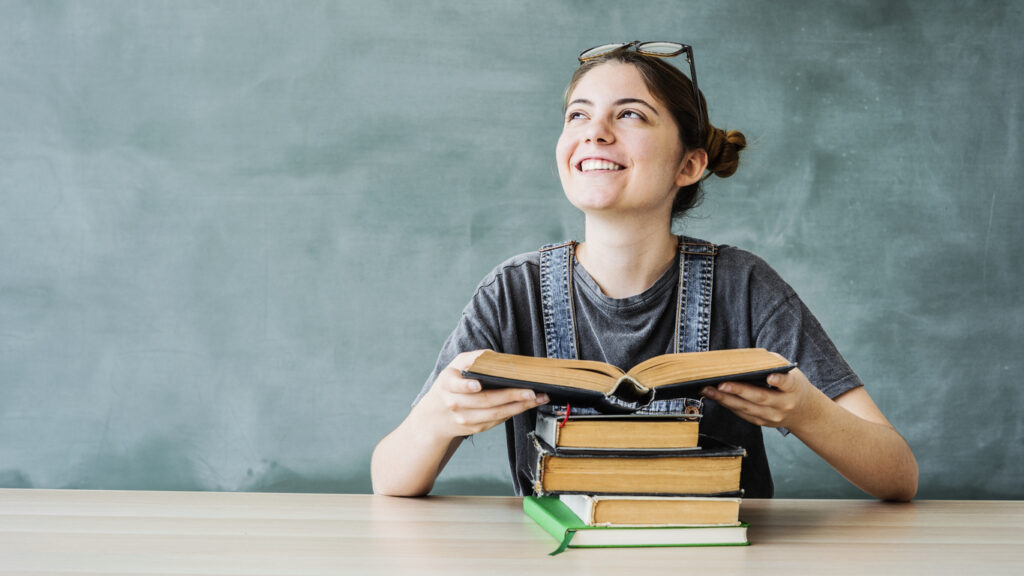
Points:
(428, 424)
(813, 415)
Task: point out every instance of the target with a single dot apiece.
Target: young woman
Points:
(635, 145)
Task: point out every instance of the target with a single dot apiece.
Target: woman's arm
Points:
(408, 460)
(850, 433)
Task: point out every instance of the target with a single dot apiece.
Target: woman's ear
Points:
(692, 168)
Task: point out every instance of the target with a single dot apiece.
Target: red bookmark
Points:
(566, 419)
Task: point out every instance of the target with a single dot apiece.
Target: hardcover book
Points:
(571, 532)
(617, 432)
(610, 389)
(653, 510)
(712, 469)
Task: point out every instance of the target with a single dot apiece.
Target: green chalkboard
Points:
(233, 235)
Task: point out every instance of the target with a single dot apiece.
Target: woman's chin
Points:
(594, 201)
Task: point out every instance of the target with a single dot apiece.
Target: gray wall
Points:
(233, 235)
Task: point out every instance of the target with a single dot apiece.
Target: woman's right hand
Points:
(461, 407)
(408, 460)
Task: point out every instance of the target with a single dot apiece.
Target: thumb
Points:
(784, 381)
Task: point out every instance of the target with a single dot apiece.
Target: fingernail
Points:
(542, 398)
(529, 395)
(724, 388)
(473, 386)
(773, 379)
(708, 391)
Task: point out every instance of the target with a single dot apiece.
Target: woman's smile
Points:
(598, 165)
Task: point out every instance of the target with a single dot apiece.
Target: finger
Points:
(509, 410)
(760, 414)
(750, 392)
(502, 396)
(451, 380)
(480, 419)
(787, 382)
(494, 398)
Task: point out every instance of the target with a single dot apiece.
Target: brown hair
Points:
(673, 89)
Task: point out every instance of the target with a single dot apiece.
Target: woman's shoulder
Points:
(737, 266)
(736, 256)
(512, 273)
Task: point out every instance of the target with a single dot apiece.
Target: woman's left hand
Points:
(850, 433)
(790, 401)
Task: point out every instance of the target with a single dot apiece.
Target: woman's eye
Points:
(631, 114)
(573, 116)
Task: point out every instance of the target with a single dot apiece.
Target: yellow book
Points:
(617, 432)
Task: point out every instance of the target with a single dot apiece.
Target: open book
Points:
(610, 389)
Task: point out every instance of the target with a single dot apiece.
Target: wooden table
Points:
(106, 532)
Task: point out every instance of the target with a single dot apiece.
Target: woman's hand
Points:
(460, 406)
(791, 400)
(849, 432)
(408, 460)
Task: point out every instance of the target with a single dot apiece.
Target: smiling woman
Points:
(634, 150)
(672, 92)
(619, 149)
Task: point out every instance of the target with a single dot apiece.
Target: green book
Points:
(558, 520)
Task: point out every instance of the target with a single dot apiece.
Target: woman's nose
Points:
(598, 131)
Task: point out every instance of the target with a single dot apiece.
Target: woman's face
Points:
(619, 151)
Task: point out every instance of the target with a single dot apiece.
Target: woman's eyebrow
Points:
(623, 101)
(619, 102)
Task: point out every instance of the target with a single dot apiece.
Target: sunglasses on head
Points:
(657, 50)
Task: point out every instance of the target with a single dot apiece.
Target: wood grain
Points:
(110, 532)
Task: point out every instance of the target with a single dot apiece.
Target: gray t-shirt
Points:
(752, 307)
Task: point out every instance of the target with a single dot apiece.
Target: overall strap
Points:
(556, 300)
(696, 280)
(693, 309)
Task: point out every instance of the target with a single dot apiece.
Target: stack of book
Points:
(645, 480)
(633, 478)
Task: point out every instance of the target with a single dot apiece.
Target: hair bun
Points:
(723, 148)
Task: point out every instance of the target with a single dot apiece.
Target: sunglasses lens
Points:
(600, 51)
(660, 48)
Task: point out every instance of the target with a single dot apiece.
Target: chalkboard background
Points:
(233, 235)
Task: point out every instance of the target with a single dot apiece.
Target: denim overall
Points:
(693, 308)
(693, 334)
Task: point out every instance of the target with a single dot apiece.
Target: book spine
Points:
(552, 524)
(536, 463)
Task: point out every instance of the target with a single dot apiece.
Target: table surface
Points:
(114, 532)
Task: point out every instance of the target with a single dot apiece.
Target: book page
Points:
(584, 374)
(685, 367)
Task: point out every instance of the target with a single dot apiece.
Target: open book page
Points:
(693, 366)
(585, 374)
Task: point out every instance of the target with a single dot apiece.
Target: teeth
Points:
(588, 165)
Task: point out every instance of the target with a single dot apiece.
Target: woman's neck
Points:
(626, 260)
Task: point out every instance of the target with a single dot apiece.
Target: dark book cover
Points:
(625, 398)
